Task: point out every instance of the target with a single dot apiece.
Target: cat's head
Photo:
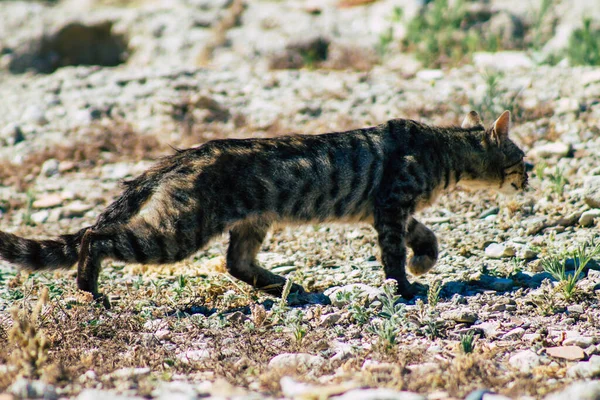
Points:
(502, 166)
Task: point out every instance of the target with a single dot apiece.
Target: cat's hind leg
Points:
(136, 241)
(424, 244)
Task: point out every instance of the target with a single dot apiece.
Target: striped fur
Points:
(380, 175)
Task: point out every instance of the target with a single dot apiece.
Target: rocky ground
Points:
(497, 317)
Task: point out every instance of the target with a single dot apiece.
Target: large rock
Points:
(525, 361)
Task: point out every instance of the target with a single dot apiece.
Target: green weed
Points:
(386, 38)
(555, 265)
(584, 45)
(442, 35)
(433, 294)
(467, 342)
(539, 169)
(558, 181)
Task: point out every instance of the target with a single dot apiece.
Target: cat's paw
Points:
(418, 265)
(409, 291)
(102, 299)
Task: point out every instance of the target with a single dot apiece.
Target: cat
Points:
(380, 175)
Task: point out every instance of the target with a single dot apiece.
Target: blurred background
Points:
(109, 83)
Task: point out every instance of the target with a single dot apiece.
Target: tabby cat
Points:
(380, 175)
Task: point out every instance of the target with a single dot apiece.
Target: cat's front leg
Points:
(424, 244)
(391, 228)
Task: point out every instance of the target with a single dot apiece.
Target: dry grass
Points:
(231, 19)
(102, 144)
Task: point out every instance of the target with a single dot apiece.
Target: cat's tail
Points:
(35, 255)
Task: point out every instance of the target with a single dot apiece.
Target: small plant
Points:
(584, 45)
(294, 325)
(539, 38)
(387, 36)
(360, 313)
(31, 347)
(426, 320)
(556, 266)
(29, 208)
(390, 305)
(387, 331)
(433, 294)
(558, 180)
(444, 34)
(546, 300)
(181, 285)
(467, 342)
(540, 168)
(278, 310)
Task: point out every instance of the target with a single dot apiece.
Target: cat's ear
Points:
(501, 127)
(472, 120)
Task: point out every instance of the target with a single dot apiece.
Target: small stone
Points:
(587, 217)
(575, 309)
(304, 361)
(95, 394)
(237, 317)
(12, 134)
(532, 337)
(330, 319)
(490, 329)
(193, 355)
(567, 105)
(162, 334)
(580, 341)
(502, 60)
(591, 191)
(116, 171)
(50, 167)
(488, 212)
(378, 394)
(48, 201)
(175, 390)
(464, 316)
(26, 389)
(293, 389)
(526, 253)
(570, 353)
(40, 217)
(66, 166)
(155, 324)
(579, 391)
(496, 250)
(424, 368)
(514, 334)
(585, 369)
(494, 396)
(556, 149)
(477, 394)
(495, 283)
(525, 361)
(127, 373)
(76, 209)
(35, 115)
(430, 74)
